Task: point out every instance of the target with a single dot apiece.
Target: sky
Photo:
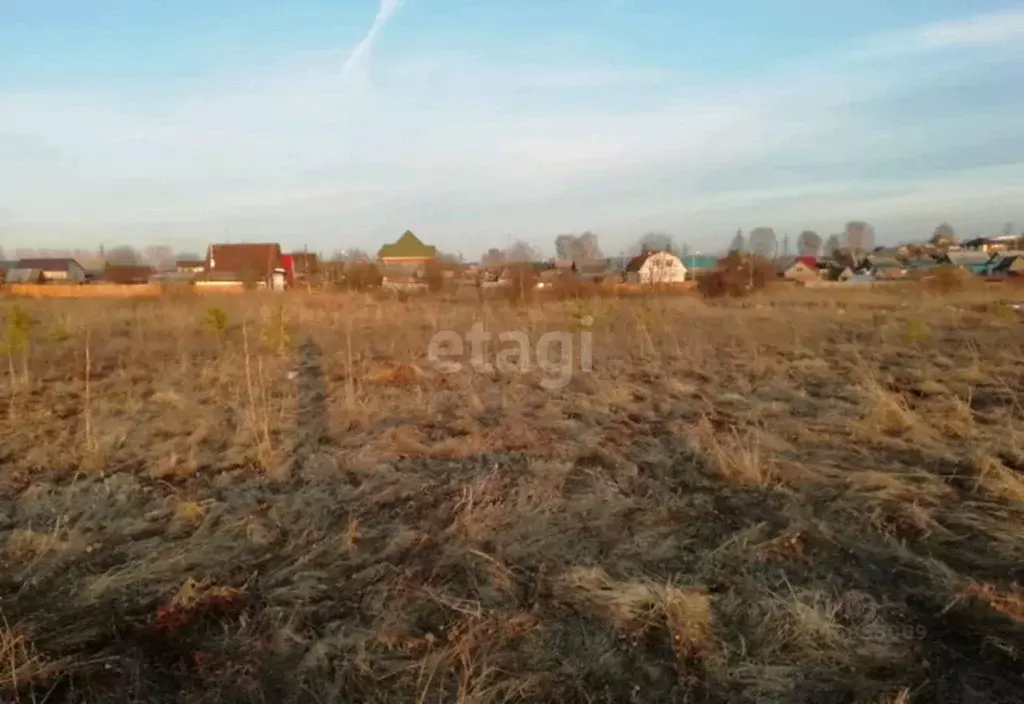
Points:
(338, 125)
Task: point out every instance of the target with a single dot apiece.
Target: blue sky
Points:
(340, 125)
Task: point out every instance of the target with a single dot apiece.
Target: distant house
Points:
(495, 277)
(839, 273)
(802, 268)
(882, 267)
(126, 274)
(259, 265)
(550, 277)
(304, 264)
(994, 244)
(924, 265)
(890, 252)
(1012, 265)
(189, 266)
(173, 277)
(977, 262)
(598, 271)
(6, 266)
(23, 276)
(595, 270)
(699, 264)
(618, 263)
(999, 256)
(59, 270)
(652, 268)
(407, 258)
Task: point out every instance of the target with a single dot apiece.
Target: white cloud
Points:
(361, 52)
(489, 146)
(991, 29)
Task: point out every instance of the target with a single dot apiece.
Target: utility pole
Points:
(305, 265)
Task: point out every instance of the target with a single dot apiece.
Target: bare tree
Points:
(656, 242)
(159, 256)
(833, 244)
(809, 243)
(353, 254)
(493, 257)
(521, 252)
(578, 248)
(89, 258)
(123, 254)
(943, 236)
(763, 242)
(450, 258)
(589, 246)
(187, 257)
(860, 237)
(564, 246)
(738, 243)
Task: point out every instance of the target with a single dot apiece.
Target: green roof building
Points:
(408, 248)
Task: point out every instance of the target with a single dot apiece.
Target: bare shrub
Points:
(737, 275)
(949, 279)
(433, 276)
(521, 283)
(362, 276)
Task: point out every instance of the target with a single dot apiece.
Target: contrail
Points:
(362, 50)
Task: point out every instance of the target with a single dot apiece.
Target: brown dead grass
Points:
(807, 495)
(21, 669)
(629, 605)
(1008, 602)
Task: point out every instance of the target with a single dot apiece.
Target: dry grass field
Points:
(798, 497)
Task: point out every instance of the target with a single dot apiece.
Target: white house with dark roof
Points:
(650, 267)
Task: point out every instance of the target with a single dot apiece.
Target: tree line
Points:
(857, 237)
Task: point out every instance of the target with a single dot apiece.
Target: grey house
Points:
(56, 270)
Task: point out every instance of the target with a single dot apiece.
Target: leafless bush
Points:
(433, 276)
(737, 275)
(361, 276)
(521, 283)
(949, 279)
